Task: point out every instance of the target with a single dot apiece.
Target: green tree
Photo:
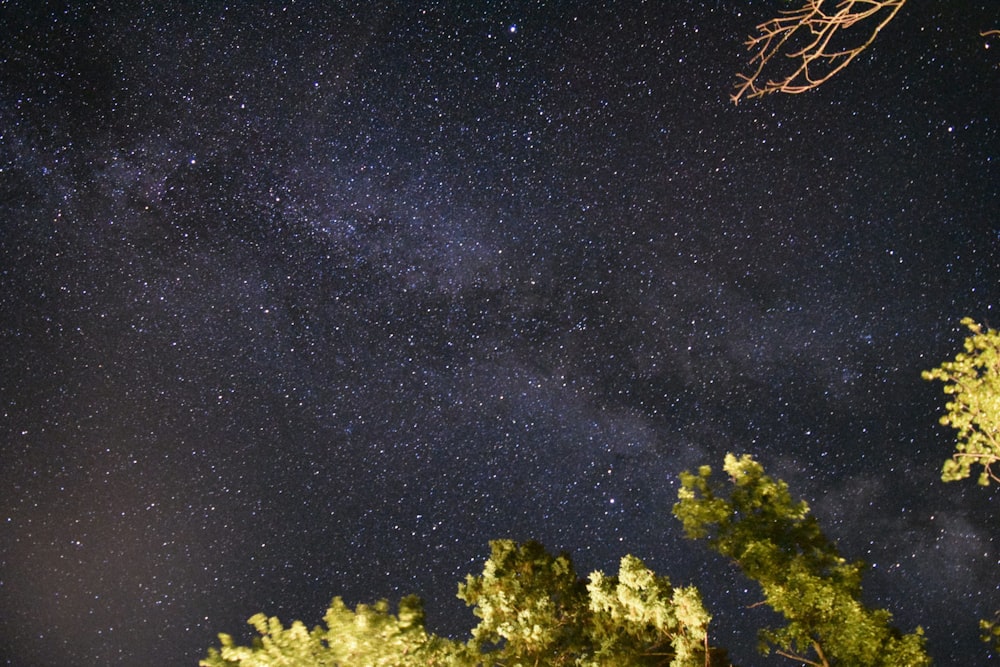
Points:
(972, 381)
(530, 604)
(778, 543)
(369, 636)
(535, 611)
(639, 618)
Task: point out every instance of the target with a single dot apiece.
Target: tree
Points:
(972, 381)
(370, 636)
(530, 604)
(639, 618)
(778, 543)
(533, 610)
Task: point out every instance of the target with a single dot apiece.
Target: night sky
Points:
(309, 299)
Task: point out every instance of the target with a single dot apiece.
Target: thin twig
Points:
(821, 27)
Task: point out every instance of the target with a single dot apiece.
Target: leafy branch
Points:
(972, 381)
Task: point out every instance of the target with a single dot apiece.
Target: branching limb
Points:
(985, 460)
(803, 660)
(812, 37)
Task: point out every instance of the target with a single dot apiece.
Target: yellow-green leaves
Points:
(372, 636)
(369, 636)
(535, 611)
(972, 381)
(698, 517)
(991, 632)
(639, 614)
(776, 541)
(276, 645)
(528, 600)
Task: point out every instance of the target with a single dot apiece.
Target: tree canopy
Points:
(972, 381)
(778, 543)
(533, 610)
(370, 635)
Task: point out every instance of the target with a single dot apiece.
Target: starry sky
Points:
(308, 299)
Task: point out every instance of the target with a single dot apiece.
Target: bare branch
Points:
(812, 38)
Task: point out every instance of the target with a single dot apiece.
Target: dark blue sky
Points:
(300, 300)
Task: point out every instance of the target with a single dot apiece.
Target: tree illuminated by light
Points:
(972, 381)
(817, 43)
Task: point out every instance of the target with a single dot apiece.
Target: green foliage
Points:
(533, 610)
(370, 636)
(639, 618)
(972, 381)
(777, 542)
(276, 645)
(529, 601)
(991, 632)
